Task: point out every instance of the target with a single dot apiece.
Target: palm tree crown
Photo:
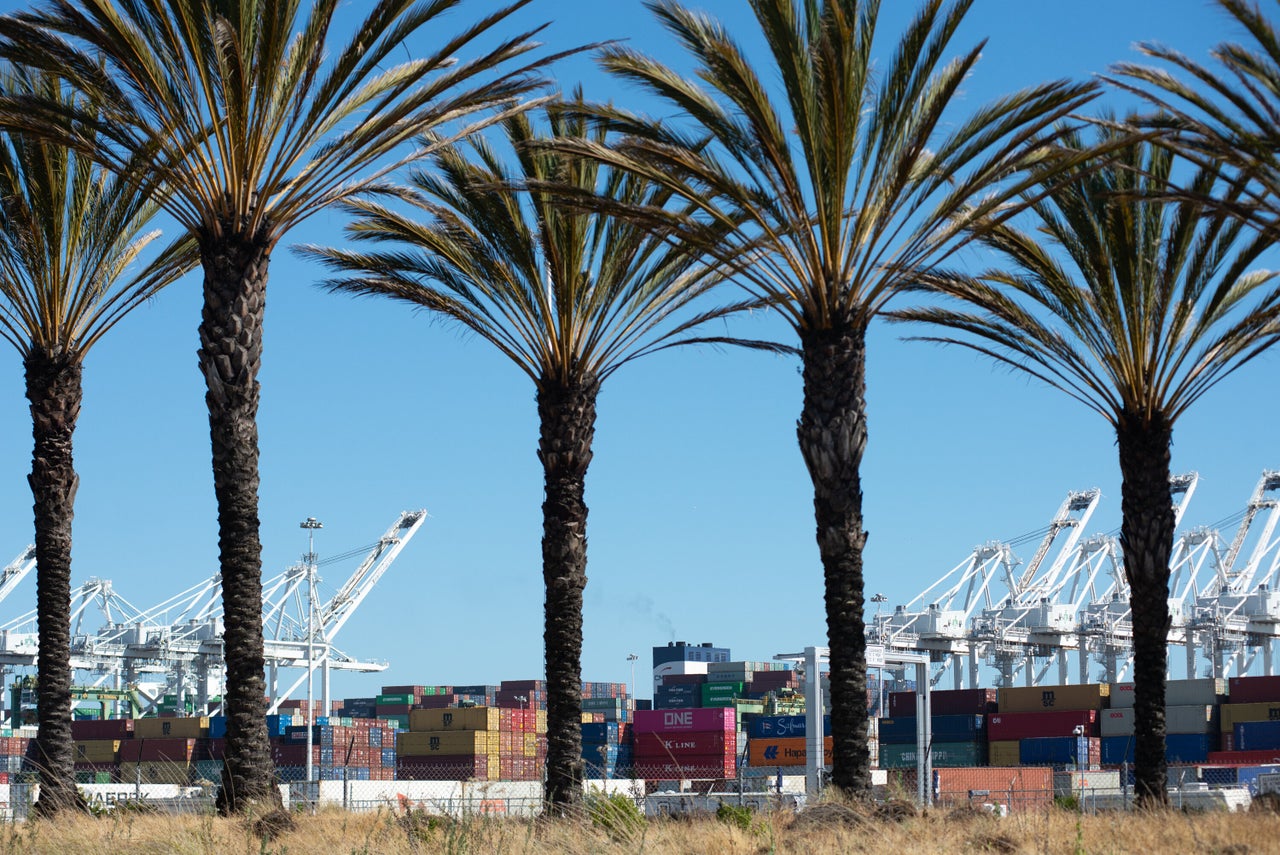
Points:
(1136, 305)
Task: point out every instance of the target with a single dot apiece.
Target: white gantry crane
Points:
(1072, 597)
(176, 646)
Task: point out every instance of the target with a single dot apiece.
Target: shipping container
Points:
(1254, 690)
(460, 767)
(1019, 699)
(158, 728)
(1229, 714)
(1178, 748)
(703, 743)
(944, 754)
(413, 743)
(1256, 736)
(784, 751)
(715, 767)
(773, 726)
(157, 750)
(676, 721)
(472, 718)
(1205, 691)
(1184, 719)
(1004, 753)
(1243, 758)
(945, 702)
(1083, 783)
(96, 750)
(1030, 725)
(1082, 751)
(111, 728)
(1016, 788)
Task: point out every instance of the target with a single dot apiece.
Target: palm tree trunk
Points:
(235, 282)
(54, 390)
(567, 416)
(833, 435)
(1146, 535)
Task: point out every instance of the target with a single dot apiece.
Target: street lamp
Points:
(631, 657)
(311, 524)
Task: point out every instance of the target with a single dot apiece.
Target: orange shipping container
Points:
(1092, 696)
(785, 751)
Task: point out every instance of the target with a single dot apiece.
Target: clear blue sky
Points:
(701, 523)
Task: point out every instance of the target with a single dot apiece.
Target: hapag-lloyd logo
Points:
(677, 719)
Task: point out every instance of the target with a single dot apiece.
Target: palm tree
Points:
(830, 192)
(569, 295)
(248, 125)
(69, 238)
(1135, 306)
(1230, 114)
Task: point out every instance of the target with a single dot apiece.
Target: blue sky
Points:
(701, 524)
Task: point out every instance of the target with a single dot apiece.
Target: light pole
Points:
(311, 524)
(878, 599)
(631, 657)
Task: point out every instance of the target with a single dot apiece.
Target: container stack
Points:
(1190, 715)
(1248, 724)
(475, 743)
(342, 749)
(1047, 726)
(781, 740)
(958, 722)
(688, 743)
(606, 748)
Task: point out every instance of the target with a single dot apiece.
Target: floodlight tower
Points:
(311, 524)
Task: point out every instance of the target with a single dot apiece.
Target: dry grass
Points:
(335, 832)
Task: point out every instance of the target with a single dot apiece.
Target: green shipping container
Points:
(395, 699)
(945, 754)
(398, 721)
(721, 694)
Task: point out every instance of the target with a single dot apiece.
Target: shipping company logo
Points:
(1046, 698)
(677, 719)
(771, 753)
(448, 719)
(166, 728)
(1273, 713)
(434, 743)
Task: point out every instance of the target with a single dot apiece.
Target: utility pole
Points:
(631, 657)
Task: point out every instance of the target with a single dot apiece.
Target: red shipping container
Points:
(458, 767)
(293, 754)
(1254, 690)
(522, 686)
(1035, 725)
(111, 728)
(696, 743)
(393, 709)
(687, 767)
(436, 702)
(902, 704)
(685, 721)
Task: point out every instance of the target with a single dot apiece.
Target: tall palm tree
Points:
(249, 124)
(70, 240)
(851, 174)
(567, 294)
(1229, 113)
(1134, 306)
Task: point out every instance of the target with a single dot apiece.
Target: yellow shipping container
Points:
(424, 743)
(1091, 696)
(530, 748)
(176, 728)
(97, 750)
(471, 718)
(1231, 714)
(167, 772)
(540, 721)
(1004, 752)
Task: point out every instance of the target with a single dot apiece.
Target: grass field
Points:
(836, 829)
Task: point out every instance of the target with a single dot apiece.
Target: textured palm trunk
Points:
(1146, 535)
(235, 281)
(833, 436)
(54, 390)
(567, 417)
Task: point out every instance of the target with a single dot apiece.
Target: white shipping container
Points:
(1177, 693)
(1190, 718)
(1075, 783)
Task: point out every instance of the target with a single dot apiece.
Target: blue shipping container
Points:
(1178, 748)
(1054, 750)
(1257, 735)
(776, 726)
(1248, 775)
(218, 727)
(606, 731)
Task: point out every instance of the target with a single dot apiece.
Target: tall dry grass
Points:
(336, 832)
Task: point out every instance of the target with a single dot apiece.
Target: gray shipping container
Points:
(1088, 783)
(1195, 718)
(1177, 693)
